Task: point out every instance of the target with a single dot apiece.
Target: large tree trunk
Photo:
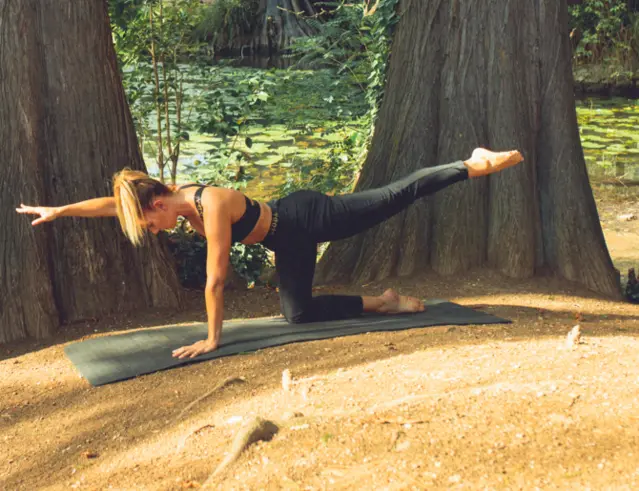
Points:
(465, 74)
(65, 129)
(283, 21)
(278, 23)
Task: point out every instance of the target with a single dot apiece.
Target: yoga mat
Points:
(118, 357)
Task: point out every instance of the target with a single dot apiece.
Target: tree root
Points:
(256, 430)
(221, 385)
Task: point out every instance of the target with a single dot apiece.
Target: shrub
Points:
(189, 250)
(605, 32)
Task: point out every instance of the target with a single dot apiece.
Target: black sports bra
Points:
(239, 229)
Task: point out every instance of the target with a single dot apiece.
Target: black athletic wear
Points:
(303, 219)
(239, 229)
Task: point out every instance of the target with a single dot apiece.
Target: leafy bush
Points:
(606, 31)
(227, 107)
(249, 260)
(189, 250)
(151, 41)
(223, 20)
(355, 39)
(335, 175)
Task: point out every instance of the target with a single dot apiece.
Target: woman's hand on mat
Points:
(196, 349)
(47, 213)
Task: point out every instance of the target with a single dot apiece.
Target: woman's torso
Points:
(239, 210)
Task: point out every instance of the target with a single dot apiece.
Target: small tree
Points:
(153, 45)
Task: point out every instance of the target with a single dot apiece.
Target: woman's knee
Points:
(298, 315)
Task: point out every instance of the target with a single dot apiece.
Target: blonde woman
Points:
(291, 227)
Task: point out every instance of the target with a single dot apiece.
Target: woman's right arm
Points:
(97, 207)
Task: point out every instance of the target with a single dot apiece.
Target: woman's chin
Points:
(171, 224)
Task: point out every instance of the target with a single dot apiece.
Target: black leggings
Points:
(306, 218)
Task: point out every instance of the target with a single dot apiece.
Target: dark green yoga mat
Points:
(119, 357)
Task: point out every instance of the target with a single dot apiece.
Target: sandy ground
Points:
(473, 407)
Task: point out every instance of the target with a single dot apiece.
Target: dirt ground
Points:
(473, 407)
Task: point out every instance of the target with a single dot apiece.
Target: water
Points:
(306, 115)
(308, 111)
(259, 61)
(609, 130)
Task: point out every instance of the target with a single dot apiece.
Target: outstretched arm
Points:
(97, 207)
(217, 225)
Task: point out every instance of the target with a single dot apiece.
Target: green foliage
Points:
(276, 121)
(609, 136)
(222, 20)
(227, 106)
(172, 91)
(170, 100)
(222, 169)
(151, 41)
(336, 173)
(122, 12)
(605, 31)
(356, 41)
(189, 251)
(249, 260)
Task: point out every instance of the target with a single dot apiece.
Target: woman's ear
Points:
(158, 204)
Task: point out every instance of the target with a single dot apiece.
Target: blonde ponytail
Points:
(129, 208)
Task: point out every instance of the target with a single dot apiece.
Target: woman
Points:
(291, 227)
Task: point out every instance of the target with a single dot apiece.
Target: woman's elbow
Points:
(215, 284)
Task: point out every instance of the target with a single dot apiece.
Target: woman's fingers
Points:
(185, 351)
(33, 210)
(46, 213)
(190, 351)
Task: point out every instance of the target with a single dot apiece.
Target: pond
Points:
(306, 115)
(309, 112)
(609, 130)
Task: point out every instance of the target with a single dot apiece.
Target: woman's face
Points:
(159, 217)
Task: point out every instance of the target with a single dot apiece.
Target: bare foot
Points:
(483, 162)
(395, 303)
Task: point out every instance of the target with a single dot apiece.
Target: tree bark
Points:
(465, 74)
(66, 128)
(279, 22)
(283, 22)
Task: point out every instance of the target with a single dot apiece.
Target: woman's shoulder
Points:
(217, 194)
(191, 185)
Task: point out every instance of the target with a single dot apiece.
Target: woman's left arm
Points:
(217, 226)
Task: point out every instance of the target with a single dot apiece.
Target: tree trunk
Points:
(465, 74)
(66, 128)
(278, 23)
(283, 20)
